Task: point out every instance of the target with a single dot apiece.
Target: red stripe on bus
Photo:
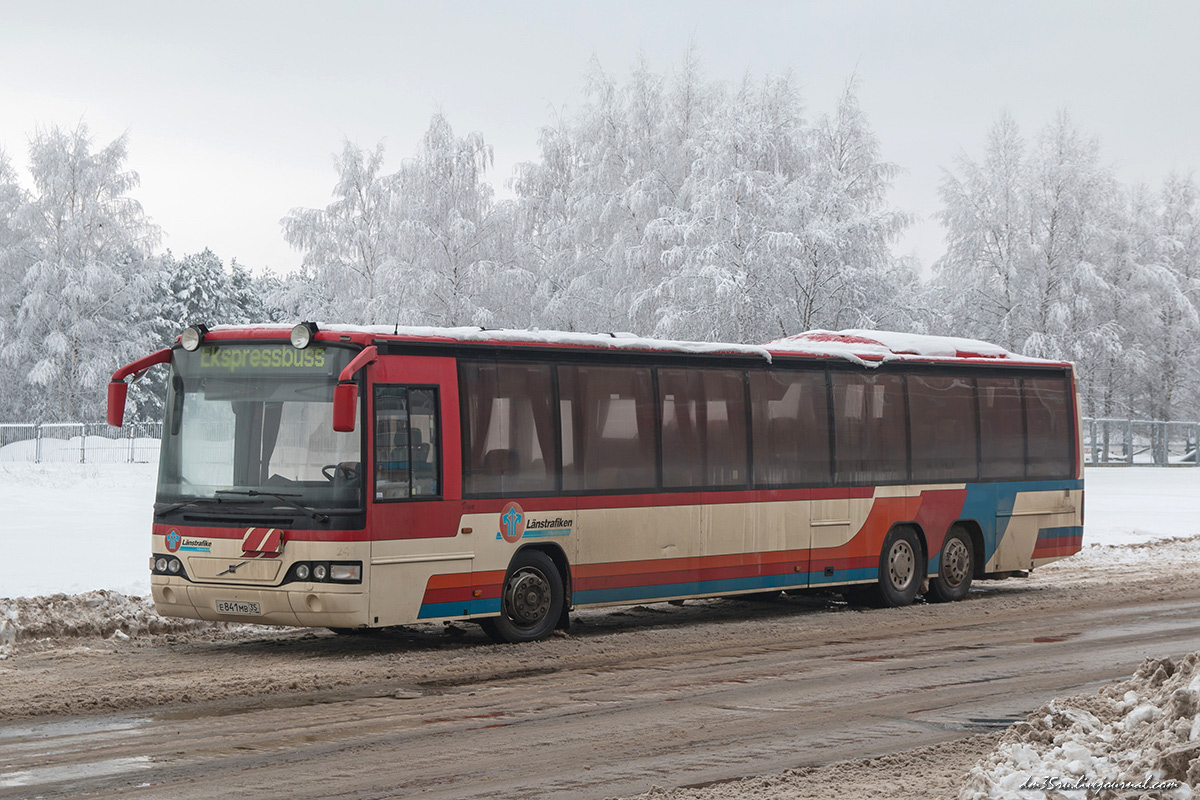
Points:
(690, 563)
(1063, 546)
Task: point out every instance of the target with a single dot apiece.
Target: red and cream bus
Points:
(357, 477)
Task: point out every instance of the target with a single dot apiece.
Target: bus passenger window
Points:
(612, 427)
(1048, 419)
(508, 421)
(703, 415)
(942, 427)
(869, 428)
(1001, 428)
(790, 418)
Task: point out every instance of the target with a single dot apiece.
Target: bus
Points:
(362, 477)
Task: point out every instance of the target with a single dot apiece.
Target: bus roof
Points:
(864, 347)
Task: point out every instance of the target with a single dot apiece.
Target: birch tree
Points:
(85, 246)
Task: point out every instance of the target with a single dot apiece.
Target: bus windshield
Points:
(244, 419)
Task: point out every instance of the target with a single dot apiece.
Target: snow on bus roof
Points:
(865, 347)
(532, 336)
(871, 348)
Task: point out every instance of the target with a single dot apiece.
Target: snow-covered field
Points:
(76, 527)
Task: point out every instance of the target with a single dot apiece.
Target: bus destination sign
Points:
(259, 358)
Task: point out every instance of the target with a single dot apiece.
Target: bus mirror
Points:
(118, 389)
(117, 392)
(345, 406)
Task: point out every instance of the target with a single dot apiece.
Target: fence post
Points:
(37, 447)
(1129, 442)
(129, 436)
(83, 443)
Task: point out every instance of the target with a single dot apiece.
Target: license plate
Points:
(239, 607)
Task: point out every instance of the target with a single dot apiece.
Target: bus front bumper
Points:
(310, 605)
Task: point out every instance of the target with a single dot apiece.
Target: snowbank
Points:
(1140, 737)
(101, 613)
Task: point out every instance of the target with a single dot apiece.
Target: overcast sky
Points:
(234, 109)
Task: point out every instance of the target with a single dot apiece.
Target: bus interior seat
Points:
(420, 450)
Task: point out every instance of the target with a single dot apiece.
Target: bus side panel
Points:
(1035, 522)
(762, 531)
(630, 554)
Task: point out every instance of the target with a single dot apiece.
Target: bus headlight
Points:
(192, 337)
(173, 565)
(302, 334)
(302, 572)
(161, 565)
(320, 572)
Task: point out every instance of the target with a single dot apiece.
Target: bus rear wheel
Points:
(531, 601)
(956, 569)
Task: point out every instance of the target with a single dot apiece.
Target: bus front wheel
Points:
(956, 569)
(901, 572)
(901, 568)
(531, 601)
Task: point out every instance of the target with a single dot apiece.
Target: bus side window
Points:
(1001, 428)
(612, 428)
(1048, 422)
(870, 440)
(790, 413)
(942, 424)
(391, 443)
(703, 413)
(406, 443)
(508, 423)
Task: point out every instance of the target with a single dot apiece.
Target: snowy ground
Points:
(82, 530)
(73, 528)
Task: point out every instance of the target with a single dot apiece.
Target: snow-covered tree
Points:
(672, 205)
(87, 275)
(199, 288)
(423, 246)
(1031, 238)
(450, 244)
(13, 263)
(349, 246)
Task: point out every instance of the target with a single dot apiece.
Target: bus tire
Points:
(956, 570)
(900, 568)
(531, 600)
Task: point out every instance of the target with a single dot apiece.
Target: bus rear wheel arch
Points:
(957, 567)
(532, 599)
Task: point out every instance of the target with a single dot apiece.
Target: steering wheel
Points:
(334, 471)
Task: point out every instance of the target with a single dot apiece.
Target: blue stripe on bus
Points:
(1064, 532)
(464, 607)
(761, 582)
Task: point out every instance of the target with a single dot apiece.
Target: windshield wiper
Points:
(282, 496)
(196, 501)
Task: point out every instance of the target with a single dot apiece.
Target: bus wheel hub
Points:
(528, 597)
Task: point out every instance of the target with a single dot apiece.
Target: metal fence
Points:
(1136, 442)
(1106, 442)
(80, 443)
